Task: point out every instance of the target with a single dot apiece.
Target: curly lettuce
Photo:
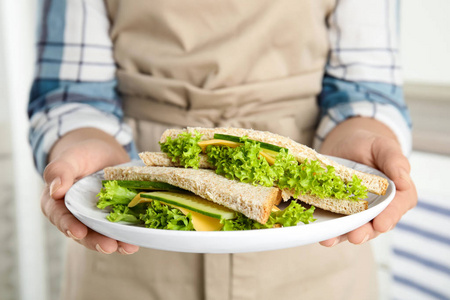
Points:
(123, 213)
(290, 216)
(245, 163)
(157, 215)
(114, 194)
(184, 149)
(161, 216)
(151, 215)
(310, 177)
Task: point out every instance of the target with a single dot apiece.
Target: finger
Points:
(396, 166)
(124, 248)
(391, 161)
(60, 216)
(334, 241)
(97, 242)
(388, 218)
(330, 242)
(72, 227)
(87, 157)
(60, 175)
(358, 236)
(100, 243)
(362, 234)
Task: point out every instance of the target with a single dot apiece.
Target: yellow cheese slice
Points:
(137, 199)
(204, 144)
(201, 222)
(270, 159)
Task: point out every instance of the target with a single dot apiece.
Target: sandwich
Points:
(193, 199)
(265, 159)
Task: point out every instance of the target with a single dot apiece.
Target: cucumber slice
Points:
(237, 139)
(145, 185)
(192, 202)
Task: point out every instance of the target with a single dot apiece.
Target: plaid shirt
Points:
(75, 83)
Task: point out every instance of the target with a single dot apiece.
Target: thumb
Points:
(60, 175)
(391, 161)
(79, 160)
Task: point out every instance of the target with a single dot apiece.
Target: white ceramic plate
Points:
(81, 201)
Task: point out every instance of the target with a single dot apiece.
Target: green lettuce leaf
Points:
(123, 213)
(356, 188)
(310, 177)
(161, 216)
(152, 215)
(241, 222)
(184, 149)
(246, 165)
(157, 215)
(243, 163)
(113, 194)
(290, 216)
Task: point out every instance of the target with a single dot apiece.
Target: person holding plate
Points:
(112, 75)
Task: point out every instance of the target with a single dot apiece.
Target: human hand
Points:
(371, 145)
(78, 154)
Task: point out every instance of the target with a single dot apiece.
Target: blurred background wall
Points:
(31, 249)
(425, 37)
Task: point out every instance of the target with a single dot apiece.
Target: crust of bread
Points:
(255, 202)
(160, 159)
(339, 206)
(374, 184)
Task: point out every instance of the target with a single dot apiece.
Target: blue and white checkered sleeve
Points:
(74, 85)
(362, 76)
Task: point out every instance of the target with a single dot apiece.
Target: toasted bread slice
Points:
(339, 206)
(255, 202)
(160, 159)
(374, 184)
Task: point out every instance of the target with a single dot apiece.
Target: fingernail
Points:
(404, 175)
(390, 228)
(99, 249)
(336, 241)
(122, 251)
(366, 238)
(55, 185)
(69, 233)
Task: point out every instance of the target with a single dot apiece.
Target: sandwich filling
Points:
(263, 164)
(182, 210)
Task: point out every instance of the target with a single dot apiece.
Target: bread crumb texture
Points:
(374, 184)
(255, 202)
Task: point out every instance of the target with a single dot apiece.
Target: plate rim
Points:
(350, 222)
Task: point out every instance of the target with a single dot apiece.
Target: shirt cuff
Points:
(385, 113)
(48, 127)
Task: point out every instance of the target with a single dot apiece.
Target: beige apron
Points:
(254, 64)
